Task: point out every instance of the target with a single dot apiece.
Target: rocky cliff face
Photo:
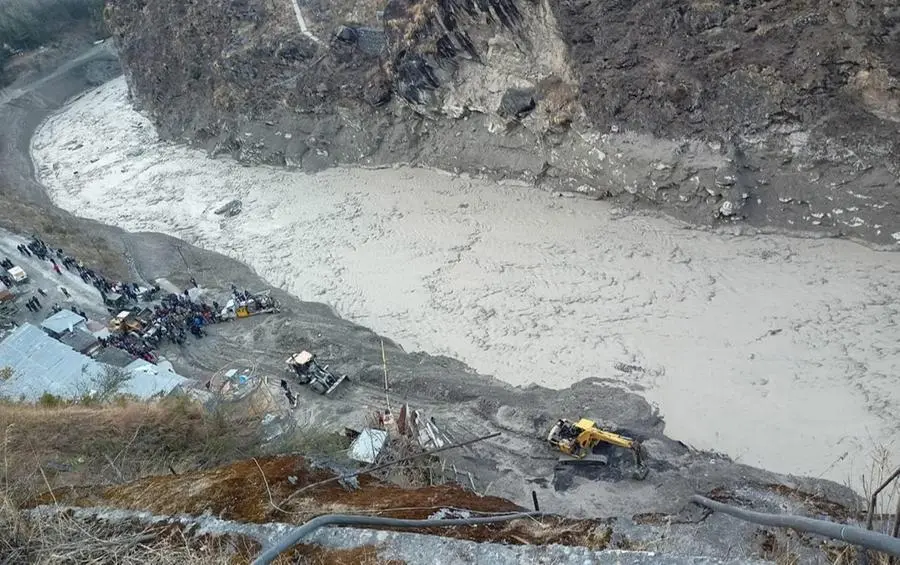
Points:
(770, 113)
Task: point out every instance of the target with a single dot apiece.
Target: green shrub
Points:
(48, 400)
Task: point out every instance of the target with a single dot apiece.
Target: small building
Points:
(148, 379)
(39, 364)
(33, 363)
(81, 341)
(97, 329)
(368, 445)
(62, 322)
(114, 356)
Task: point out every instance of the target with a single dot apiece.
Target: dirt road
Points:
(738, 340)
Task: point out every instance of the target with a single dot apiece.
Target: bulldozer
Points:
(576, 441)
(125, 322)
(319, 378)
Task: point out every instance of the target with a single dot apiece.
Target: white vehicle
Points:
(18, 274)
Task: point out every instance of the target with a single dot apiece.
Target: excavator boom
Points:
(578, 440)
(591, 437)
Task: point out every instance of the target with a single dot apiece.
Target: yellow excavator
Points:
(578, 440)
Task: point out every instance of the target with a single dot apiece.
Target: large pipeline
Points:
(849, 534)
(295, 536)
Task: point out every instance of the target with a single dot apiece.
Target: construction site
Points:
(208, 361)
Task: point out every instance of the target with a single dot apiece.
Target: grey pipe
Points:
(295, 536)
(849, 534)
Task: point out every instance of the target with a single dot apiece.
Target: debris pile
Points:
(406, 448)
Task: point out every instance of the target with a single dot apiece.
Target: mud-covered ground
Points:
(461, 401)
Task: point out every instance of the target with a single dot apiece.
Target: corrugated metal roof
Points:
(367, 445)
(114, 356)
(79, 340)
(41, 364)
(149, 379)
(63, 321)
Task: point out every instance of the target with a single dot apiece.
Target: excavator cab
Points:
(578, 440)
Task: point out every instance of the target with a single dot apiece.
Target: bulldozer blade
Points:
(337, 383)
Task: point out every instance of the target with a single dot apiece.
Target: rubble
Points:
(230, 209)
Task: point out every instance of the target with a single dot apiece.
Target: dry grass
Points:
(51, 448)
(54, 449)
(65, 540)
(881, 465)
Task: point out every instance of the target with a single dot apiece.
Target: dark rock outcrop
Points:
(770, 113)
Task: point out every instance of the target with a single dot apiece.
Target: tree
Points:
(110, 381)
(102, 387)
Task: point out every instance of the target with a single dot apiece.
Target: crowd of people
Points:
(173, 318)
(136, 346)
(56, 257)
(177, 315)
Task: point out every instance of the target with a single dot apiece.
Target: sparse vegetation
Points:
(313, 442)
(55, 444)
(63, 539)
(26, 24)
(110, 382)
(48, 400)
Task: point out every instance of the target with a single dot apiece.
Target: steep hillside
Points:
(772, 112)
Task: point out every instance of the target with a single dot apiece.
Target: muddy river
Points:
(783, 353)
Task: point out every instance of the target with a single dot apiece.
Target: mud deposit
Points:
(782, 353)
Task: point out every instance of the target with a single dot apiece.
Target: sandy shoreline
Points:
(781, 353)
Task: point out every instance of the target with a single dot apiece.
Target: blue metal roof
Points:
(63, 321)
(41, 364)
(149, 379)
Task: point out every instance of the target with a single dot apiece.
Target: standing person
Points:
(292, 400)
(56, 268)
